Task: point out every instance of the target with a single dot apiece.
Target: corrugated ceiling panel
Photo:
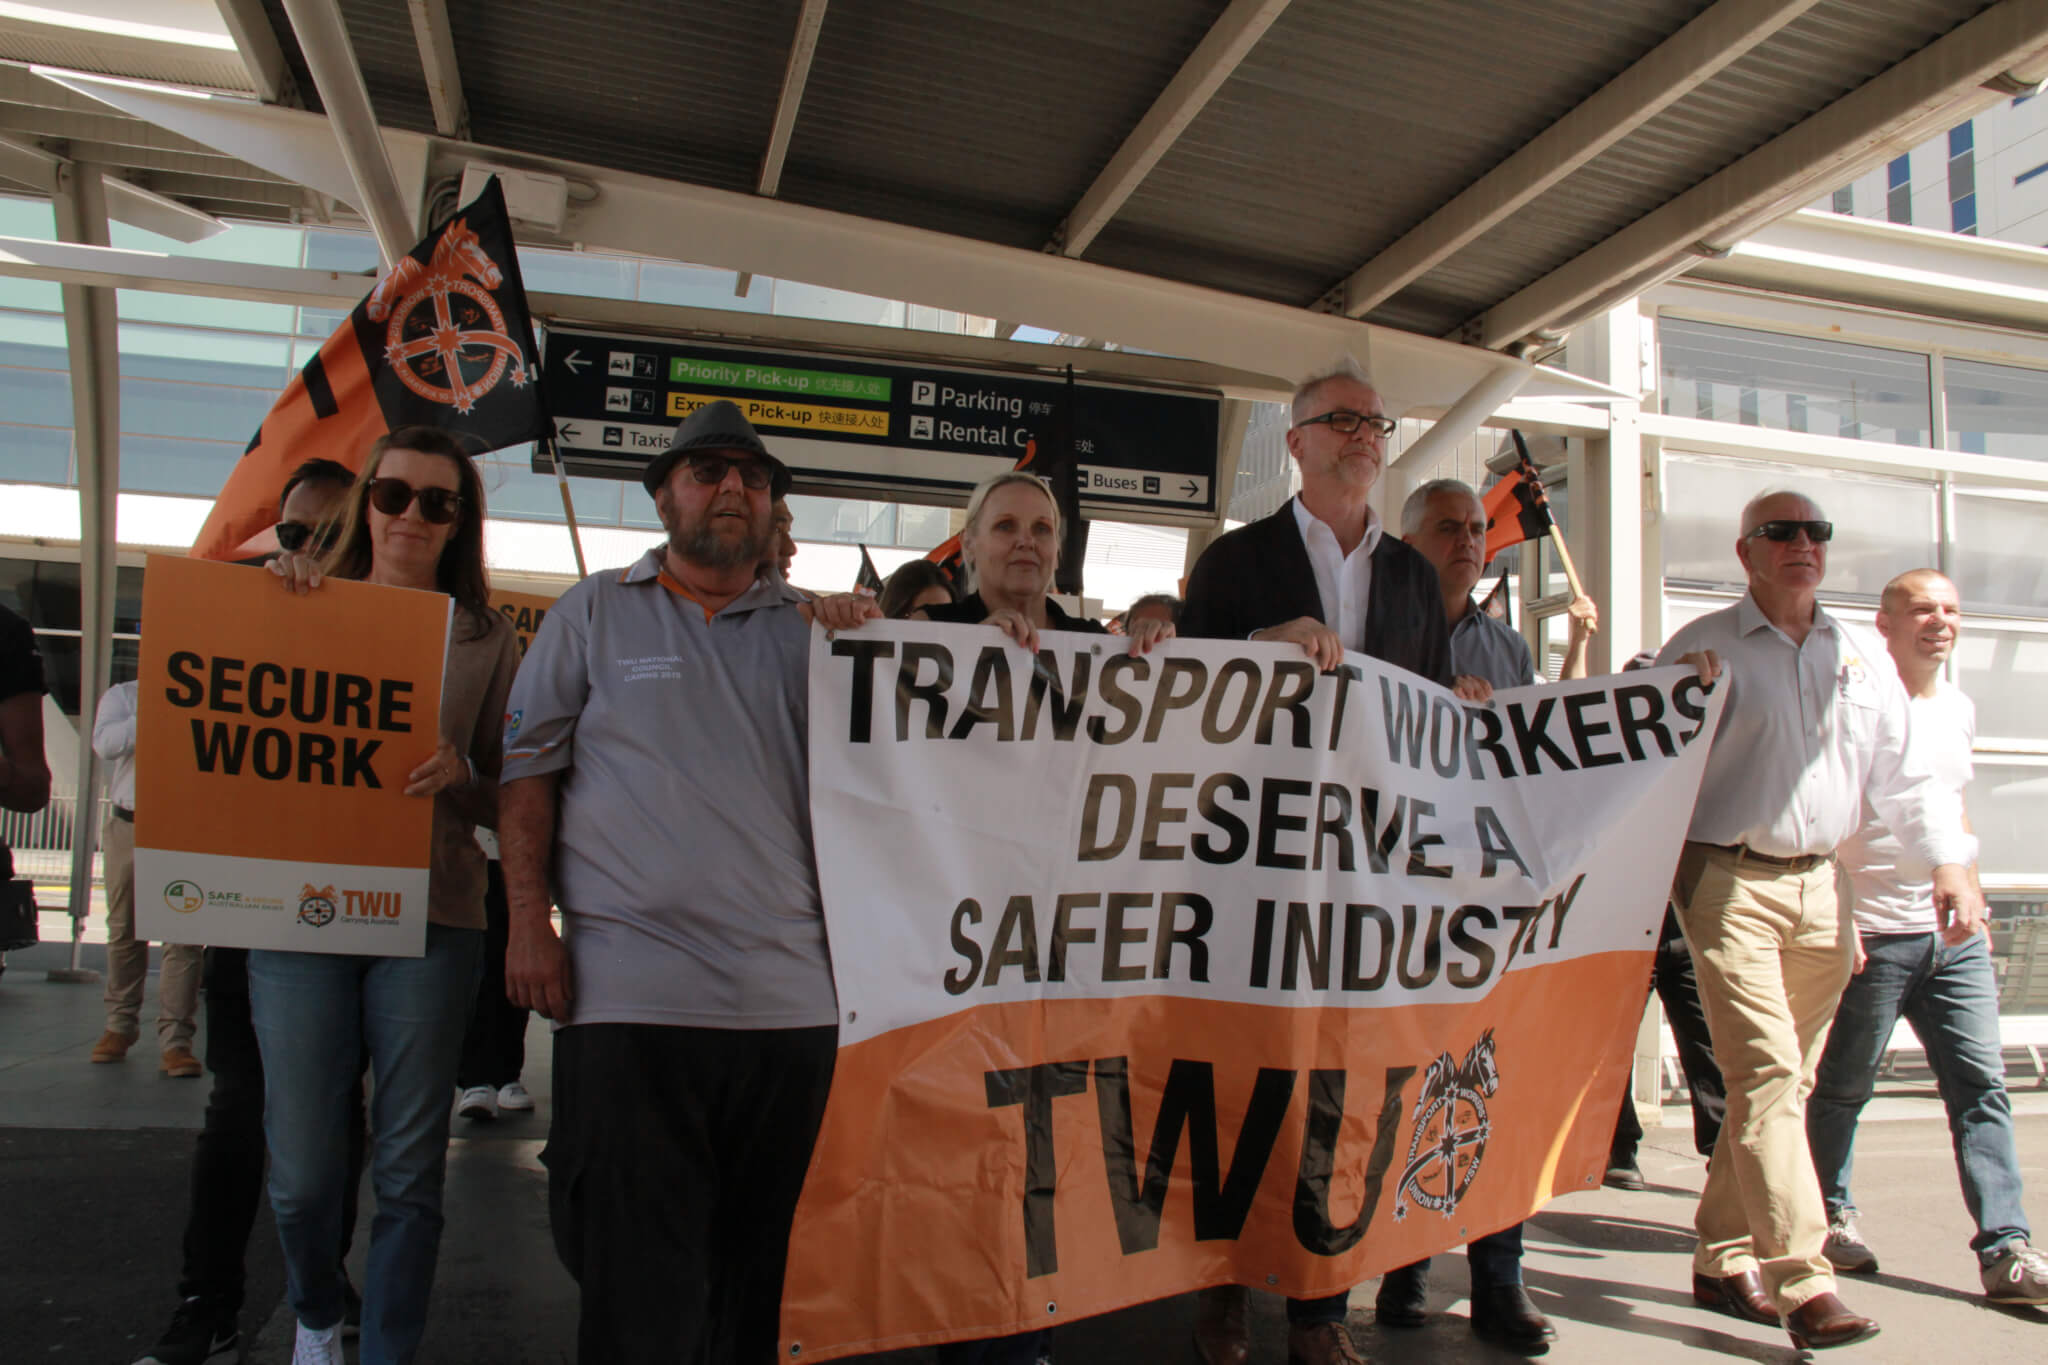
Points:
(980, 119)
(1826, 53)
(1343, 129)
(682, 89)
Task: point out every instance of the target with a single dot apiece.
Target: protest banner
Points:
(274, 736)
(1200, 967)
(524, 611)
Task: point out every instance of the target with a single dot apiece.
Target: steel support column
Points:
(92, 343)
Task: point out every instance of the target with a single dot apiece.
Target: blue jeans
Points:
(316, 1014)
(1950, 997)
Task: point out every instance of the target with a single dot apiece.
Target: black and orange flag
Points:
(444, 340)
(1517, 508)
(868, 580)
(1495, 603)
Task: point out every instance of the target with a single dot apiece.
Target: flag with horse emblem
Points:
(444, 340)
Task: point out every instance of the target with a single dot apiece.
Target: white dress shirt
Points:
(1890, 890)
(113, 739)
(1808, 733)
(1342, 581)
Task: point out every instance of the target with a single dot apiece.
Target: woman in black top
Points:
(1011, 546)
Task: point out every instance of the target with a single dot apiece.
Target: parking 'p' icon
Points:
(923, 392)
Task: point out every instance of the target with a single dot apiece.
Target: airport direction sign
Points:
(861, 426)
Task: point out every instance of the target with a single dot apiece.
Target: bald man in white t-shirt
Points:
(1942, 982)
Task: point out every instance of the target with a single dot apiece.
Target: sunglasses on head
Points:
(294, 536)
(1819, 532)
(711, 469)
(393, 496)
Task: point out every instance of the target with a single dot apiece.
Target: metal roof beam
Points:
(30, 165)
(323, 38)
(1670, 71)
(166, 217)
(1933, 89)
(262, 56)
(802, 48)
(46, 172)
(437, 59)
(1233, 35)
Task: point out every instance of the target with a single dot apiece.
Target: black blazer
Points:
(1259, 576)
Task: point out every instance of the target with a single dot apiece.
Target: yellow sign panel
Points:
(776, 412)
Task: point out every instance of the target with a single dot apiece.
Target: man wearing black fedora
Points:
(656, 789)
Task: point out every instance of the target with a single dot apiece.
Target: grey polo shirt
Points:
(1482, 646)
(683, 859)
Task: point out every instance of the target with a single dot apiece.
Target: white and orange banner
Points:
(274, 737)
(1195, 968)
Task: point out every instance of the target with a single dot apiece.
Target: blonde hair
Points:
(980, 498)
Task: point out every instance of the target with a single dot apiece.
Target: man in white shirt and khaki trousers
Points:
(1815, 724)
(113, 739)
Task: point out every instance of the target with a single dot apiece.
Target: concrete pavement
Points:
(92, 1160)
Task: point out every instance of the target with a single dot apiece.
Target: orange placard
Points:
(275, 733)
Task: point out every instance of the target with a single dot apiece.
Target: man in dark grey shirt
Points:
(656, 788)
(1445, 520)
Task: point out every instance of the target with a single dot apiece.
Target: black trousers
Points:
(674, 1163)
(1679, 990)
(229, 1156)
(494, 1048)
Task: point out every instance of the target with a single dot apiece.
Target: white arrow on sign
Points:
(575, 361)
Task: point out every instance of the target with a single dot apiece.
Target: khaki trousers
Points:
(1772, 954)
(177, 992)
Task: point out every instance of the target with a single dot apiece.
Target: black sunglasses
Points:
(1819, 532)
(393, 496)
(711, 469)
(293, 536)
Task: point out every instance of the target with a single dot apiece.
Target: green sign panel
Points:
(735, 374)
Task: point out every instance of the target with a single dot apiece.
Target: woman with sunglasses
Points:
(415, 520)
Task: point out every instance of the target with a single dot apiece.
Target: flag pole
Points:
(568, 505)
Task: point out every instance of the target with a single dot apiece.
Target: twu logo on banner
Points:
(1451, 1129)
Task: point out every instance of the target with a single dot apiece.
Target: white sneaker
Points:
(514, 1097)
(478, 1102)
(321, 1347)
(2019, 1275)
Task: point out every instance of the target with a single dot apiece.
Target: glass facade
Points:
(1794, 383)
(1996, 409)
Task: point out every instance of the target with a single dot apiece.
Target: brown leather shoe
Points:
(1321, 1343)
(1223, 1333)
(112, 1047)
(1739, 1296)
(1825, 1320)
(179, 1062)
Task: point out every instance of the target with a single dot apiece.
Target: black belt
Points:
(1804, 862)
(123, 813)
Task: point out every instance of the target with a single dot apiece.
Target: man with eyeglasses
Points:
(1815, 725)
(1320, 573)
(656, 783)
